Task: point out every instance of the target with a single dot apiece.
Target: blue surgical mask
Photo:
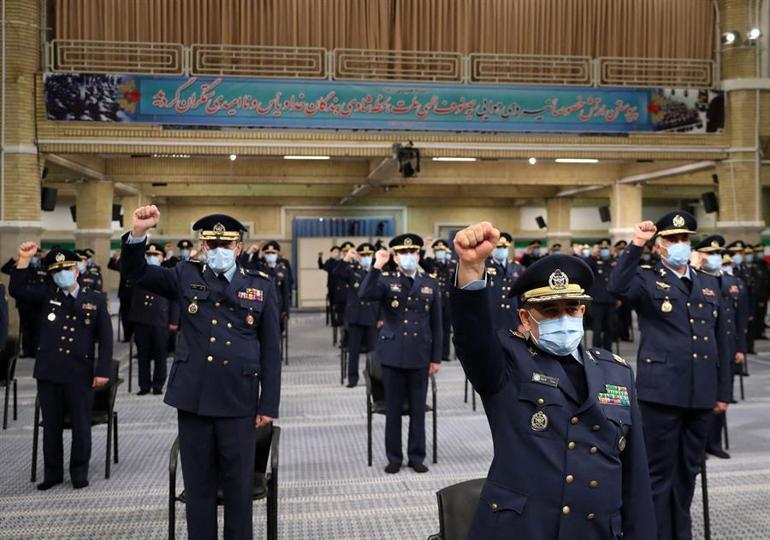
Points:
(221, 259)
(604, 253)
(64, 279)
(441, 256)
(585, 253)
(366, 261)
(536, 252)
(559, 336)
(408, 262)
(90, 262)
(271, 258)
(185, 254)
(737, 258)
(728, 268)
(153, 260)
(750, 258)
(678, 254)
(82, 266)
(713, 263)
(500, 254)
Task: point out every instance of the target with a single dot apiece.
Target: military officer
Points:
(532, 253)
(360, 315)
(29, 318)
(759, 276)
(604, 315)
(442, 266)
(75, 320)
(502, 274)
(570, 460)
(276, 268)
(89, 276)
(408, 346)
(624, 319)
(185, 253)
(683, 362)
(125, 295)
(154, 317)
(738, 251)
(736, 311)
(226, 375)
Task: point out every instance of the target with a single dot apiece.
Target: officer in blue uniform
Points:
(154, 317)
(29, 317)
(272, 265)
(408, 345)
(88, 276)
(533, 252)
(735, 304)
(502, 274)
(603, 308)
(738, 252)
(360, 315)
(328, 267)
(683, 362)
(570, 460)
(125, 295)
(74, 321)
(185, 251)
(442, 266)
(226, 374)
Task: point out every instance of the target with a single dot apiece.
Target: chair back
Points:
(457, 506)
(374, 374)
(104, 397)
(8, 357)
(265, 436)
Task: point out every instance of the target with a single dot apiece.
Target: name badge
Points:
(545, 379)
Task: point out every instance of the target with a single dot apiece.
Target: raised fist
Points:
(253, 248)
(144, 219)
(475, 243)
(27, 250)
(380, 258)
(643, 232)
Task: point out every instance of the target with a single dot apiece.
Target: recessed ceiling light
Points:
(318, 158)
(442, 158)
(754, 34)
(233, 157)
(576, 160)
(729, 38)
(532, 161)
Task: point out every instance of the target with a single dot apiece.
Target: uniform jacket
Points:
(411, 335)
(500, 280)
(152, 309)
(33, 276)
(562, 469)
(91, 278)
(3, 316)
(601, 269)
(69, 332)
(228, 349)
(684, 354)
(357, 311)
(736, 307)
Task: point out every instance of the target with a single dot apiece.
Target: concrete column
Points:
(20, 177)
(559, 210)
(94, 224)
(625, 210)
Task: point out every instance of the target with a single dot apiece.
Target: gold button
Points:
(692, 321)
(406, 333)
(648, 360)
(226, 362)
(571, 445)
(688, 304)
(212, 339)
(227, 343)
(570, 478)
(565, 510)
(406, 322)
(494, 507)
(63, 338)
(593, 449)
(590, 516)
(210, 358)
(229, 325)
(574, 420)
(61, 350)
(596, 427)
(705, 338)
(694, 338)
(71, 340)
(214, 321)
(594, 484)
(540, 401)
(695, 355)
(217, 304)
(700, 305)
(67, 351)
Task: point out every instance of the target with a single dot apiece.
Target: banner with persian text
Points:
(271, 103)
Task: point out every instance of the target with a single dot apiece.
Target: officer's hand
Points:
(381, 257)
(321, 254)
(99, 382)
(643, 232)
(720, 407)
(27, 250)
(173, 327)
(263, 420)
(475, 243)
(253, 248)
(144, 219)
(351, 255)
(740, 358)
(434, 368)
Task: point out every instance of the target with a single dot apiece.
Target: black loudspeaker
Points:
(48, 199)
(116, 209)
(710, 202)
(604, 214)
(74, 213)
(715, 178)
(541, 222)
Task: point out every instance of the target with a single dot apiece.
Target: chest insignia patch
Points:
(614, 395)
(252, 294)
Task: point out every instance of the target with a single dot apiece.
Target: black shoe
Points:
(393, 468)
(351, 385)
(419, 467)
(157, 391)
(718, 452)
(48, 484)
(733, 401)
(79, 484)
(142, 392)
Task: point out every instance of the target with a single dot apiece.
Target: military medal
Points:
(250, 319)
(192, 309)
(52, 317)
(394, 304)
(539, 421)
(87, 320)
(622, 443)
(666, 306)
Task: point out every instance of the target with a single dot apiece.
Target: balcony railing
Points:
(76, 56)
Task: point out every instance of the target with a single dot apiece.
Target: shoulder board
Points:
(607, 356)
(193, 261)
(518, 335)
(434, 275)
(259, 273)
(386, 274)
(645, 266)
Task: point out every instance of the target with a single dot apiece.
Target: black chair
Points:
(285, 342)
(473, 394)
(132, 353)
(704, 483)
(265, 482)
(375, 404)
(103, 413)
(8, 358)
(456, 507)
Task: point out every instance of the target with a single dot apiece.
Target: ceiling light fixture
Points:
(442, 158)
(317, 158)
(532, 160)
(576, 160)
(233, 157)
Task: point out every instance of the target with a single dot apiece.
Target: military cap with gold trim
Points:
(184, 244)
(554, 277)
(81, 254)
(620, 244)
(365, 249)
(219, 227)
(711, 244)
(59, 259)
(535, 243)
(556, 248)
(676, 222)
(154, 249)
(739, 246)
(759, 248)
(88, 252)
(440, 245)
(726, 259)
(505, 240)
(271, 247)
(406, 242)
(603, 243)
(346, 245)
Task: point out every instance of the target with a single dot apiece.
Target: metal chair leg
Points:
(473, 399)
(108, 458)
(171, 514)
(724, 430)
(740, 379)
(705, 490)
(435, 435)
(465, 399)
(369, 432)
(115, 435)
(15, 400)
(35, 435)
(5, 405)
(130, 363)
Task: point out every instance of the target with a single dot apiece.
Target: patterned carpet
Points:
(326, 489)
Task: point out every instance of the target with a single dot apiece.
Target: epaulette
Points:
(607, 356)
(386, 274)
(517, 334)
(434, 275)
(259, 273)
(645, 266)
(192, 261)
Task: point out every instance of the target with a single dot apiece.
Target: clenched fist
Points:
(27, 250)
(643, 232)
(380, 258)
(473, 245)
(144, 219)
